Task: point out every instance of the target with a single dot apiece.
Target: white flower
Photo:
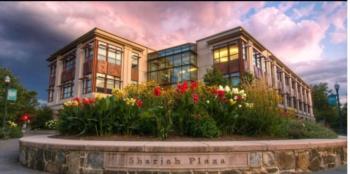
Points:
(221, 88)
(227, 89)
(241, 91)
(208, 101)
(235, 90)
(239, 106)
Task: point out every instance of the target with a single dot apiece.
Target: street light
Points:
(337, 86)
(7, 82)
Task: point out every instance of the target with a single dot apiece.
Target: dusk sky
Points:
(310, 38)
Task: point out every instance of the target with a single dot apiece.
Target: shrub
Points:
(12, 131)
(190, 109)
(42, 116)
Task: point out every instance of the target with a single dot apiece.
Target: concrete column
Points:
(250, 58)
(284, 88)
(274, 74)
(126, 67)
(79, 63)
(296, 95)
(310, 103)
(290, 90)
(59, 69)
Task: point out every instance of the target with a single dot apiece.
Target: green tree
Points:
(26, 100)
(344, 115)
(214, 77)
(43, 114)
(322, 110)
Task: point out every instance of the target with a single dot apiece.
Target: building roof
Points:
(241, 31)
(89, 35)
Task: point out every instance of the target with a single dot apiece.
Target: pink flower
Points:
(139, 103)
(182, 88)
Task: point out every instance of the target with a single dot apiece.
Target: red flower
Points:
(157, 91)
(182, 88)
(220, 93)
(194, 85)
(25, 117)
(139, 103)
(87, 101)
(195, 98)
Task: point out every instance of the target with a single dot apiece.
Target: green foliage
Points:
(201, 126)
(214, 77)
(299, 129)
(26, 100)
(51, 124)
(42, 115)
(247, 78)
(12, 131)
(324, 112)
(193, 110)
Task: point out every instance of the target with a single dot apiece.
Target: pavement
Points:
(9, 159)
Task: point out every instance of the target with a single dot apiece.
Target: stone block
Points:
(95, 160)
(315, 160)
(73, 162)
(269, 159)
(285, 160)
(303, 161)
(255, 159)
(272, 170)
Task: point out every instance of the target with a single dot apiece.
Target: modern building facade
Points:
(100, 61)
(95, 63)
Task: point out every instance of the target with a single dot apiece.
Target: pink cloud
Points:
(289, 40)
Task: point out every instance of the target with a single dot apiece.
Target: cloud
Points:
(290, 40)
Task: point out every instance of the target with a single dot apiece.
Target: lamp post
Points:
(7, 82)
(336, 87)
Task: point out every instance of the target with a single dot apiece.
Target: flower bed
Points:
(190, 109)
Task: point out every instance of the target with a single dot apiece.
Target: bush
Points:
(42, 116)
(191, 109)
(12, 131)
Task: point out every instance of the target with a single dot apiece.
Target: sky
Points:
(309, 37)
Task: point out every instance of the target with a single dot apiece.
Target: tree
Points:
(43, 114)
(344, 115)
(214, 77)
(26, 100)
(322, 110)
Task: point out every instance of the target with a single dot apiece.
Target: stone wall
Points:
(215, 158)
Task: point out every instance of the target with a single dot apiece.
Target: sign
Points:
(116, 161)
(332, 100)
(12, 94)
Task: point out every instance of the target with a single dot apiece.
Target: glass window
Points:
(163, 63)
(102, 51)
(185, 73)
(193, 73)
(233, 49)
(67, 90)
(68, 63)
(177, 75)
(193, 59)
(170, 61)
(177, 60)
(164, 76)
(87, 86)
(223, 55)
(153, 76)
(89, 51)
(50, 95)
(134, 60)
(154, 65)
(114, 55)
(185, 58)
(53, 70)
(100, 82)
(244, 51)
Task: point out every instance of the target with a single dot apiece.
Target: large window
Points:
(114, 55)
(102, 51)
(105, 83)
(221, 55)
(68, 63)
(67, 90)
(87, 85)
(173, 65)
(234, 78)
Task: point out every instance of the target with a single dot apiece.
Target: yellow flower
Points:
(99, 96)
(117, 93)
(12, 124)
(249, 105)
(231, 101)
(130, 101)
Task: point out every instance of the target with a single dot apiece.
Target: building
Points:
(95, 63)
(99, 61)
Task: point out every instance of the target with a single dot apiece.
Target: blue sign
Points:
(332, 100)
